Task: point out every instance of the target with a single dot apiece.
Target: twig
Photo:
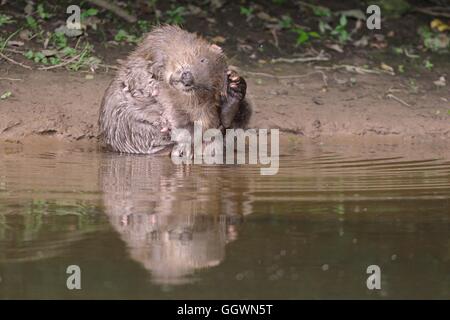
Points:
(434, 11)
(62, 64)
(114, 9)
(351, 68)
(294, 76)
(9, 38)
(15, 62)
(11, 79)
(273, 31)
(410, 55)
(320, 57)
(391, 96)
(14, 50)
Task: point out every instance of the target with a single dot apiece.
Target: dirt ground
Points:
(328, 103)
(311, 100)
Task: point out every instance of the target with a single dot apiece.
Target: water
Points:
(140, 227)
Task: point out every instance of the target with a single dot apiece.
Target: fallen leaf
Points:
(217, 4)
(15, 43)
(218, 39)
(6, 95)
(439, 25)
(25, 35)
(335, 47)
(363, 42)
(266, 17)
(386, 67)
(29, 8)
(441, 82)
(194, 10)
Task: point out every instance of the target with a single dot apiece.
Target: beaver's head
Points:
(186, 62)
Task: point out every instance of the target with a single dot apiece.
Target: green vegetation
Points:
(277, 28)
(91, 12)
(304, 36)
(435, 41)
(340, 31)
(428, 65)
(4, 19)
(42, 13)
(124, 36)
(6, 95)
(175, 15)
(246, 11)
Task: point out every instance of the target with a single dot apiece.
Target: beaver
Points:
(171, 80)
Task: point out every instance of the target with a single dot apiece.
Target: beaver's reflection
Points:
(174, 219)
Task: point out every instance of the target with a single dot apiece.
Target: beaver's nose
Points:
(187, 79)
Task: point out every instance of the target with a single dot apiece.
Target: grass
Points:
(5, 19)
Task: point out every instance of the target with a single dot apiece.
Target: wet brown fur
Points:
(147, 97)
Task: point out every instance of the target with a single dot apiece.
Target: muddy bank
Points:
(330, 104)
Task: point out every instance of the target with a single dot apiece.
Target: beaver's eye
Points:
(203, 60)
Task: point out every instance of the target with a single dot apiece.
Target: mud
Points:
(330, 104)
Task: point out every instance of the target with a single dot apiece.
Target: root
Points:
(320, 57)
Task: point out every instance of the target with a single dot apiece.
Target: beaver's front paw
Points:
(182, 153)
(237, 87)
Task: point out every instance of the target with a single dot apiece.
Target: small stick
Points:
(15, 62)
(11, 79)
(275, 37)
(108, 66)
(432, 11)
(294, 76)
(391, 96)
(319, 57)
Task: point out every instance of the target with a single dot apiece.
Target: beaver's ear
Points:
(216, 49)
(156, 62)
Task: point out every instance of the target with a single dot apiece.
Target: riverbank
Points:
(312, 104)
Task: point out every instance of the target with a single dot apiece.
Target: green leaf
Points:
(428, 64)
(302, 37)
(286, 22)
(321, 11)
(4, 19)
(31, 22)
(54, 60)
(29, 54)
(246, 11)
(6, 95)
(68, 51)
(121, 35)
(41, 12)
(89, 13)
(343, 20)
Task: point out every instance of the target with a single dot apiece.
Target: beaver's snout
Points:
(187, 79)
(182, 80)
